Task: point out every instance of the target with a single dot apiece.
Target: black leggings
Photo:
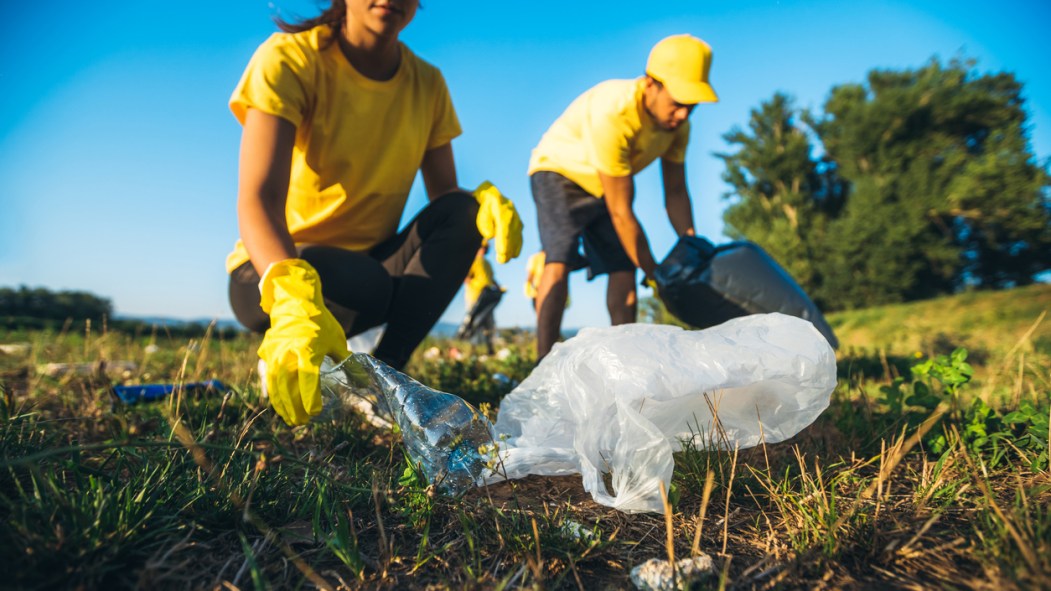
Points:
(406, 281)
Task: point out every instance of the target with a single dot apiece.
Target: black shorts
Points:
(568, 215)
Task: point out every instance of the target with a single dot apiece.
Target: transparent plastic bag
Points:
(620, 400)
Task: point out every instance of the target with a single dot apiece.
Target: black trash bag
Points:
(481, 310)
(704, 285)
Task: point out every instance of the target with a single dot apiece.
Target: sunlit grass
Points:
(212, 490)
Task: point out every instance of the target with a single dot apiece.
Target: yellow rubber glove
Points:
(302, 332)
(498, 221)
(652, 284)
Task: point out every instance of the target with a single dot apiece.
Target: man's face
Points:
(666, 112)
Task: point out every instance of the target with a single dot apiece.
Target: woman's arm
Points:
(439, 171)
(264, 169)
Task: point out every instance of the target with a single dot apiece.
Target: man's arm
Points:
(620, 196)
(439, 171)
(677, 198)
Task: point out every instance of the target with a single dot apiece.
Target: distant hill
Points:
(444, 330)
(223, 323)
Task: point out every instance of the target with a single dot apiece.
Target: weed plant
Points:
(927, 472)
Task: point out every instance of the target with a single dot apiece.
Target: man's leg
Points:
(563, 210)
(620, 297)
(551, 303)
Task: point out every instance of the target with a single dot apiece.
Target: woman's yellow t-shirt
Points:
(359, 142)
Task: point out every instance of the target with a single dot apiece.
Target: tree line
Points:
(41, 308)
(914, 184)
(44, 304)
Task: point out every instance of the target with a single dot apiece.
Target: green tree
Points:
(945, 191)
(42, 303)
(783, 198)
(926, 184)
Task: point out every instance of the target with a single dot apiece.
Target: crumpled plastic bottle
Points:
(443, 434)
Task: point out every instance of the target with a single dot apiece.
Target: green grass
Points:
(921, 474)
(991, 322)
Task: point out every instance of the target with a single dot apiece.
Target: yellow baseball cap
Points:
(681, 64)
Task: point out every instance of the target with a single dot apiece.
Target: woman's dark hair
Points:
(331, 16)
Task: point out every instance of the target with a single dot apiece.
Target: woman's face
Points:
(383, 18)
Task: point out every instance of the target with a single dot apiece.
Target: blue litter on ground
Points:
(150, 392)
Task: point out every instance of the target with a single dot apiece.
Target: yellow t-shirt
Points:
(534, 269)
(479, 277)
(359, 142)
(607, 130)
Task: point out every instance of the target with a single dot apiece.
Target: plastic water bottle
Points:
(444, 435)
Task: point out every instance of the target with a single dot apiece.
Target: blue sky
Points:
(118, 154)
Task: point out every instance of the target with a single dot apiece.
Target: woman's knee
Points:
(243, 290)
(354, 281)
(459, 210)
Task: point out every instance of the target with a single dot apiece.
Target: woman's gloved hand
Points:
(498, 221)
(302, 332)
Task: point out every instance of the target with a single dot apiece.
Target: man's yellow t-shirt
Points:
(479, 277)
(359, 142)
(608, 130)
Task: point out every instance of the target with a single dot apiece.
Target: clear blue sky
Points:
(118, 153)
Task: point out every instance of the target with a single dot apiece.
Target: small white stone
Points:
(656, 575)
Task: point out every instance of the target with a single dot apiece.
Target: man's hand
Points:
(302, 332)
(651, 283)
(498, 221)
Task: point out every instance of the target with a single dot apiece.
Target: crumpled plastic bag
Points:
(622, 399)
